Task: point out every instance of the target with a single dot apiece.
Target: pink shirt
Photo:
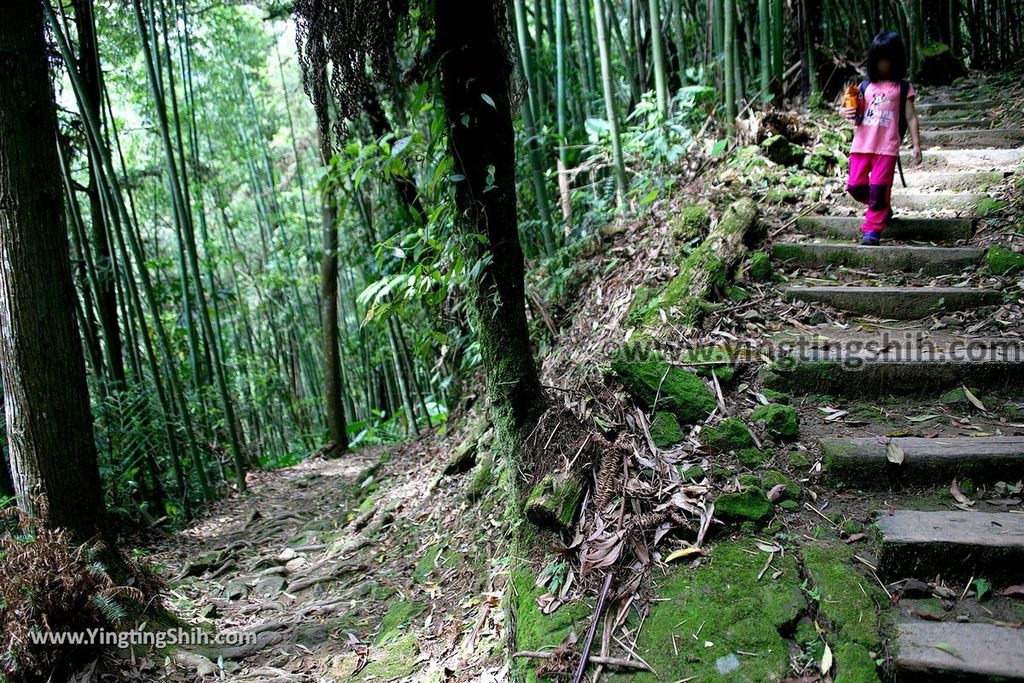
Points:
(879, 130)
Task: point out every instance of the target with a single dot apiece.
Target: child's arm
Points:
(915, 131)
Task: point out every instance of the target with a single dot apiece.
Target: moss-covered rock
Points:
(938, 65)
(854, 664)
(781, 195)
(708, 361)
(781, 422)
(750, 505)
(481, 478)
(760, 267)
(656, 384)
(845, 598)
(773, 478)
(988, 207)
(752, 457)
(1003, 261)
(729, 435)
(782, 151)
(553, 502)
(823, 162)
(776, 396)
(690, 223)
(665, 430)
(720, 617)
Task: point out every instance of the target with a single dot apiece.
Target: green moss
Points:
(854, 664)
(718, 471)
(721, 609)
(781, 195)
(1003, 261)
(967, 487)
(425, 567)
(656, 384)
(703, 276)
(399, 615)
(760, 268)
(787, 252)
(752, 457)
(535, 630)
(708, 361)
(789, 505)
(397, 659)
(729, 435)
(824, 162)
(781, 422)
(553, 502)
(776, 396)
(665, 430)
(798, 459)
(690, 223)
(693, 473)
(782, 151)
(845, 597)
(481, 479)
(750, 505)
(773, 478)
(988, 207)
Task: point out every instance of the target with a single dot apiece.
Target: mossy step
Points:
(897, 303)
(978, 106)
(913, 199)
(995, 138)
(947, 651)
(977, 159)
(864, 462)
(861, 369)
(923, 229)
(964, 122)
(955, 180)
(884, 258)
(951, 543)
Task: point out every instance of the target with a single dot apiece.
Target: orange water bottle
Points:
(850, 100)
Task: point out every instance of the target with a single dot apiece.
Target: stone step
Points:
(974, 106)
(980, 652)
(863, 461)
(922, 229)
(976, 159)
(897, 303)
(882, 367)
(916, 200)
(950, 543)
(883, 258)
(952, 180)
(991, 138)
(956, 123)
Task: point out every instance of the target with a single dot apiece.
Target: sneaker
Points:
(871, 239)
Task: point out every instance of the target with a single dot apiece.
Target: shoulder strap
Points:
(864, 86)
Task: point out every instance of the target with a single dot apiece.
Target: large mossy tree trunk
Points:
(473, 37)
(49, 423)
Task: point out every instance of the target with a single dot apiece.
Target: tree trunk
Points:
(475, 79)
(49, 423)
(607, 79)
(657, 46)
(334, 409)
(106, 297)
(729, 42)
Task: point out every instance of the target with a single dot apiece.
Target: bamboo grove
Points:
(249, 291)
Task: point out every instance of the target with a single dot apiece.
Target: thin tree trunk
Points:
(729, 39)
(657, 46)
(49, 422)
(607, 79)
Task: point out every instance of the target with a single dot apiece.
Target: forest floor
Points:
(391, 564)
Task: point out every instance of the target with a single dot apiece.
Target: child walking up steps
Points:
(884, 113)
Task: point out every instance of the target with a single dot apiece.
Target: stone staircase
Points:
(935, 235)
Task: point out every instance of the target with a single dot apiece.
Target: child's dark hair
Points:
(888, 46)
